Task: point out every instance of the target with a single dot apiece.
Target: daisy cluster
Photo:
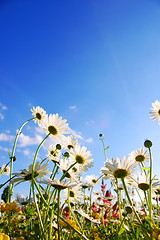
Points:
(81, 213)
(69, 159)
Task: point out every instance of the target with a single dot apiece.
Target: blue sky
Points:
(96, 63)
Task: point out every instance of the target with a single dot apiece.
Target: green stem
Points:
(105, 155)
(83, 236)
(12, 157)
(39, 215)
(63, 176)
(36, 153)
(58, 215)
(35, 158)
(150, 186)
(119, 200)
(129, 200)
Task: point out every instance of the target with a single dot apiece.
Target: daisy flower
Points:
(87, 217)
(5, 169)
(82, 157)
(85, 183)
(53, 153)
(155, 111)
(26, 175)
(65, 166)
(143, 182)
(139, 155)
(116, 168)
(58, 184)
(21, 199)
(39, 114)
(55, 126)
(70, 142)
(92, 180)
(73, 194)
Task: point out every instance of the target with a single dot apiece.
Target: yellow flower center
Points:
(74, 169)
(120, 173)
(139, 158)
(71, 194)
(143, 186)
(70, 146)
(38, 116)
(94, 180)
(53, 153)
(52, 130)
(29, 176)
(80, 159)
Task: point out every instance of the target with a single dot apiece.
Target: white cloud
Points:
(4, 149)
(6, 138)
(78, 135)
(90, 123)
(25, 140)
(74, 107)
(27, 152)
(30, 105)
(1, 116)
(7, 131)
(40, 130)
(89, 140)
(3, 107)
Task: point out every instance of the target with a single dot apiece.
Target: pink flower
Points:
(115, 215)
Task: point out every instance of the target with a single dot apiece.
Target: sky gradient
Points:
(96, 63)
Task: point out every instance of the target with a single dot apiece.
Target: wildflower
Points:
(108, 196)
(5, 169)
(39, 114)
(103, 186)
(155, 111)
(115, 168)
(66, 168)
(144, 182)
(156, 232)
(96, 215)
(85, 183)
(53, 153)
(70, 222)
(1, 201)
(147, 143)
(55, 126)
(82, 157)
(92, 180)
(73, 194)
(139, 155)
(86, 216)
(58, 184)
(8, 207)
(4, 236)
(22, 200)
(26, 175)
(70, 142)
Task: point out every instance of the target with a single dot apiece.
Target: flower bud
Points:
(58, 146)
(66, 155)
(101, 135)
(148, 143)
(128, 209)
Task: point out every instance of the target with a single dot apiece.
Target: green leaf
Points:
(106, 148)
(122, 230)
